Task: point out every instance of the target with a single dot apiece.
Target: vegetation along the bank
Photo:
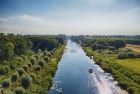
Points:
(28, 63)
(112, 55)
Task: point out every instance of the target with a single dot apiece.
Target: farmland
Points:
(135, 48)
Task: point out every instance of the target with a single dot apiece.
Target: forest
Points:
(28, 62)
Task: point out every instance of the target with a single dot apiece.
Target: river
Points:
(72, 76)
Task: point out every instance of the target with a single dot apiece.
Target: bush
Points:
(33, 76)
(49, 54)
(46, 58)
(32, 60)
(111, 48)
(138, 55)
(122, 55)
(4, 70)
(26, 81)
(12, 67)
(41, 64)
(25, 67)
(29, 65)
(14, 77)
(52, 52)
(21, 71)
(125, 50)
(19, 90)
(37, 68)
(6, 83)
(37, 56)
(131, 55)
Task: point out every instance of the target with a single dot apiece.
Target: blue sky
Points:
(76, 17)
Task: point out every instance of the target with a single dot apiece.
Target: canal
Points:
(72, 76)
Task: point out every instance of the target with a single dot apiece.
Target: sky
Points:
(70, 17)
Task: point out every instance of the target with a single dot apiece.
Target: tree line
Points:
(12, 45)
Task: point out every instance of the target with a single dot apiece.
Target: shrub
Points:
(37, 56)
(12, 67)
(4, 70)
(131, 55)
(32, 60)
(49, 54)
(138, 55)
(19, 90)
(25, 67)
(6, 83)
(37, 68)
(125, 50)
(52, 52)
(39, 51)
(122, 55)
(111, 48)
(33, 76)
(14, 77)
(21, 71)
(41, 64)
(29, 65)
(26, 81)
(46, 58)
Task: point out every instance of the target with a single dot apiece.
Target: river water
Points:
(72, 76)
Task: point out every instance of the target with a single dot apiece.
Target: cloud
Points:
(3, 20)
(79, 17)
(29, 18)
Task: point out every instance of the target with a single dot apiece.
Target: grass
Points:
(133, 64)
(135, 48)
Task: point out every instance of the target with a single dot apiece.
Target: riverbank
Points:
(127, 79)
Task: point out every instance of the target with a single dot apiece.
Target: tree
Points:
(6, 51)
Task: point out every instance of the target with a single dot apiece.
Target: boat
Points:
(90, 71)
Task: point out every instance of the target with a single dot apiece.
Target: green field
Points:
(133, 64)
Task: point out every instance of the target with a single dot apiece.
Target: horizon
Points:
(71, 17)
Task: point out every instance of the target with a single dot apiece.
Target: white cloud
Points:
(3, 20)
(30, 18)
(123, 22)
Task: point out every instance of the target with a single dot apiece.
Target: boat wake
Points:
(102, 83)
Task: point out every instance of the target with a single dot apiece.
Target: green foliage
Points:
(6, 51)
(16, 50)
(32, 60)
(25, 67)
(22, 45)
(33, 76)
(49, 54)
(37, 68)
(14, 77)
(122, 55)
(46, 58)
(126, 54)
(4, 70)
(131, 55)
(103, 43)
(127, 79)
(6, 83)
(29, 65)
(137, 55)
(19, 90)
(26, 81)
(21, 71)
(41, 63)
